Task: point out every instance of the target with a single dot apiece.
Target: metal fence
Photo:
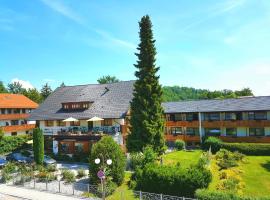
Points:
(79, 189)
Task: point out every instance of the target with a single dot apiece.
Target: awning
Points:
(93, 119)
(70, 119)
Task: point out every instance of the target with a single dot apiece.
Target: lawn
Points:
(256, 175)
(185, 158)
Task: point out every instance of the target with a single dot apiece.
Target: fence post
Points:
(59, 186)
(140, 195)
(46, 184)
(34, 183)
(88, 188)
(161, 196)
(183, 198)
(73, 188)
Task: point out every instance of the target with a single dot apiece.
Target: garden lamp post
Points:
(101, 173)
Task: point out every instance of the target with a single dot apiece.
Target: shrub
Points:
(62, 157)
(149, 156)
(217, 195)
(68, 176)
(213, 142)
(170, 178)
(179, 144)
(81, 157)
(51, 168)
(11, 143)
(38, 146)
(81, 173)
(136, 160)
(110, 188)
(248, 148)
(227, 159)
(105, 149)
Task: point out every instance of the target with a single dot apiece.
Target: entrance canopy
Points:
(70, 119)
(94, 119)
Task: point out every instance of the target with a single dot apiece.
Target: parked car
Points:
(3, 162)
(48, 160)
(18, 157)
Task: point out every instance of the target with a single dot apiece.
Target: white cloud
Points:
(62, 9)
(25, 84)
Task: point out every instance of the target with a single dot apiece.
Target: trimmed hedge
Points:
(215, 195)
(213, 142)
(248, 148)
(172, 180)
(11, 143)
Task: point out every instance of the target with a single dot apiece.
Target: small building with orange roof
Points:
(14, 112)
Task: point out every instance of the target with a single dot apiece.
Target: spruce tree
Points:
(45, 91)
(147, 115)
(38, 146)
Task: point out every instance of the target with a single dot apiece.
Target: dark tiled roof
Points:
(109, 101)
(219, 105)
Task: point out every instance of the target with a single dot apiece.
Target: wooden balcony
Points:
(16, 128)
(182, 123)
(186, 138)
(14, 116)
(248, 139)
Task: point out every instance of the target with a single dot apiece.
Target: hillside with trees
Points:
(177, 93)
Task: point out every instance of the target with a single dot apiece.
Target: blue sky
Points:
(204, 44)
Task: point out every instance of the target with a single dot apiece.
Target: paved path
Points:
(18, 193)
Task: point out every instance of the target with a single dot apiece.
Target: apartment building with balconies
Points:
(14, 112)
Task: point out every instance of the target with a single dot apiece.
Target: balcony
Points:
(186, 138)
(16, 128)
(14, 116)
(236, 123)
(182, 123)
(248, 139)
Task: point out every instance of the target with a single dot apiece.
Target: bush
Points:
(226, 159)
(136, 160)
(215, 195)
(179, 144)
(44, 176)
(248, 148)
(51, 168)
(81, 157)
(110, 188)
(81, 173)
(38, 146)
(105, 149)
(170, 179)
(12, 143)
(213, 142)
(62, 157)
(68, 176)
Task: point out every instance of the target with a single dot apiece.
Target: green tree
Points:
(105, 149)
(45, 91)
(62, 84)
(147, 121)
(16, 88)
(107, 79)
(33, 94)
(38, 146)
(3, 88)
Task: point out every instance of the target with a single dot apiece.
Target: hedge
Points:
(257, 149)
(215, 195)
(11, 143)
(172, 180)
(248, 148)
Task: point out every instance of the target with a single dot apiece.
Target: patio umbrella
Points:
(70, 119)
(93, 119)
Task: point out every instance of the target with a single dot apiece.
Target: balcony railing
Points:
(13, 116)
(186, 138)
(15, 128)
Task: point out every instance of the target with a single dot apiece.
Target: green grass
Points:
(123, 191)
(256, 175)
(185, 158)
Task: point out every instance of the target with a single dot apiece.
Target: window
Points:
(230, 116)
(212, 116)
(13, 133)
(78, 147)
(171, 117)
(23, 122)
(48, 123)
(17, 111)
(9, 111)
(23, 110)
(178, 117)
(60, 123)
(192, 116)
(77, 123)
(176, 131)
(14, 122)
(231, 132)
(256, 131)
(65, 147)
(192, 131)
(257, 115)
(3, 111)
(106, 122)
(212, 131)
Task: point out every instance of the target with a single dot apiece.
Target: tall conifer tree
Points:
(147, 122)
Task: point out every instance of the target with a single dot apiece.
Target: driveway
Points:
(18, 193)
